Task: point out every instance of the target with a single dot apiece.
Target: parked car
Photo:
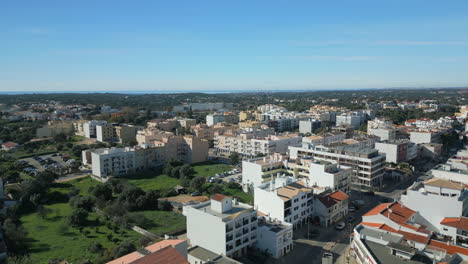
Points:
(351, 219)
(359, 202)
(195, 194)
(351, 209)
(340, 226)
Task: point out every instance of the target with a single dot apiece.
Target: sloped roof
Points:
(333, 198)
(289, 191)
(457, 222)
(445, 184)
(218, 197)
(167, 255)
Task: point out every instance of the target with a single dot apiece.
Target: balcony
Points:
(228, 229)
(253, 219)
(229, 238)
(245, 231)
(246, 221)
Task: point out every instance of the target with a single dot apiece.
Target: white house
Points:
(285, 199)
(222, 225)
(274, 237)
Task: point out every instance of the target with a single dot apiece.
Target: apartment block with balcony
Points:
(322, 174)
(251, 144)
(222, 225)
(367, 164)
(285, 199)
(260, 170)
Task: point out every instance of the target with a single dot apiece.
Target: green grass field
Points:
(163, 223)
(151, 181)
(207, 169)
(154, 182)
(51, 237)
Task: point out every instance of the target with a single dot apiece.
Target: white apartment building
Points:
(285, 199)
(351, 120)
(105, 133)
(309, 126)
(274, 237)
(323, 174)
(436, 199)
(250, 145)
(113, 162)
(450, 172)
(260, 170)
(325, 139)
(222, 225)
(397, 150)
(367, 164)
(214, 119)
(90, 127)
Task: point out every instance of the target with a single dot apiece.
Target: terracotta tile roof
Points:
(167, 255)
(457, 222)
(445, 184)
(333, 198)
(378, 225)
(130, 258)
(398, 213)
(218, 197)
(414, 237)
(450, 249)
(377, 210)
(289, 191)
(407, 235)
(164, 243)
(9, 144)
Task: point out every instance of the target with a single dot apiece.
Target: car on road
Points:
(340, 226)
(351, 209)
(359, 202)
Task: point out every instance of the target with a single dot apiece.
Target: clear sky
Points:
(232, 44)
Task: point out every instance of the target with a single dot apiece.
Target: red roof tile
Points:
(376, 210)
(218, 197)
(333, 198)
(457, 222)
(450, 249)
(414, 237)
(167, 255)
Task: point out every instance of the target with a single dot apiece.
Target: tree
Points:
(197, 183)
(15, 237)
(123, 249)
(60, 137)
(78, 218)
(102, 191)
(234, 157)
(83, 202)
(186, 171)
(95, 247)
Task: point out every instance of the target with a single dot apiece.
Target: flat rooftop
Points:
(237, 209)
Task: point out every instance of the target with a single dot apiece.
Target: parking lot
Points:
(234, 175)
(41, 163)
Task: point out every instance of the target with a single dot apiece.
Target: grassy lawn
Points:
(208, 169)
(52, 238)
(20, 153)
(164, 222)
(242, 196)
(82, 184)
(151, 181)
(148, 181)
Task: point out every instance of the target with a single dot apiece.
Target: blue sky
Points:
(232, 45)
